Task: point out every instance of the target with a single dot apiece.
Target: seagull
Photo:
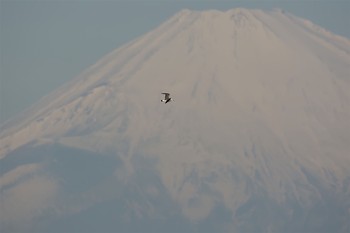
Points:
(166, 97)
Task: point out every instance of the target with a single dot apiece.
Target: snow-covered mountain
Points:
(257, 138)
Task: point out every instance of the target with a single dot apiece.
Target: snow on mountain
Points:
(257, 138)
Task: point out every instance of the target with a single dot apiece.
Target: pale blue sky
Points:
(46, 43)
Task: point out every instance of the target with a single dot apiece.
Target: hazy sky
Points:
(48, 42)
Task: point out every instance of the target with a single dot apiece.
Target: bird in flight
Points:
(166, 98)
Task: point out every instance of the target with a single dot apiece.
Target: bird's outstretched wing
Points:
(166, 95)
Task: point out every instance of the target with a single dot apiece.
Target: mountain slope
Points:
(256, 140)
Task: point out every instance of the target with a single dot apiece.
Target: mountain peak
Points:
(235, 13)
